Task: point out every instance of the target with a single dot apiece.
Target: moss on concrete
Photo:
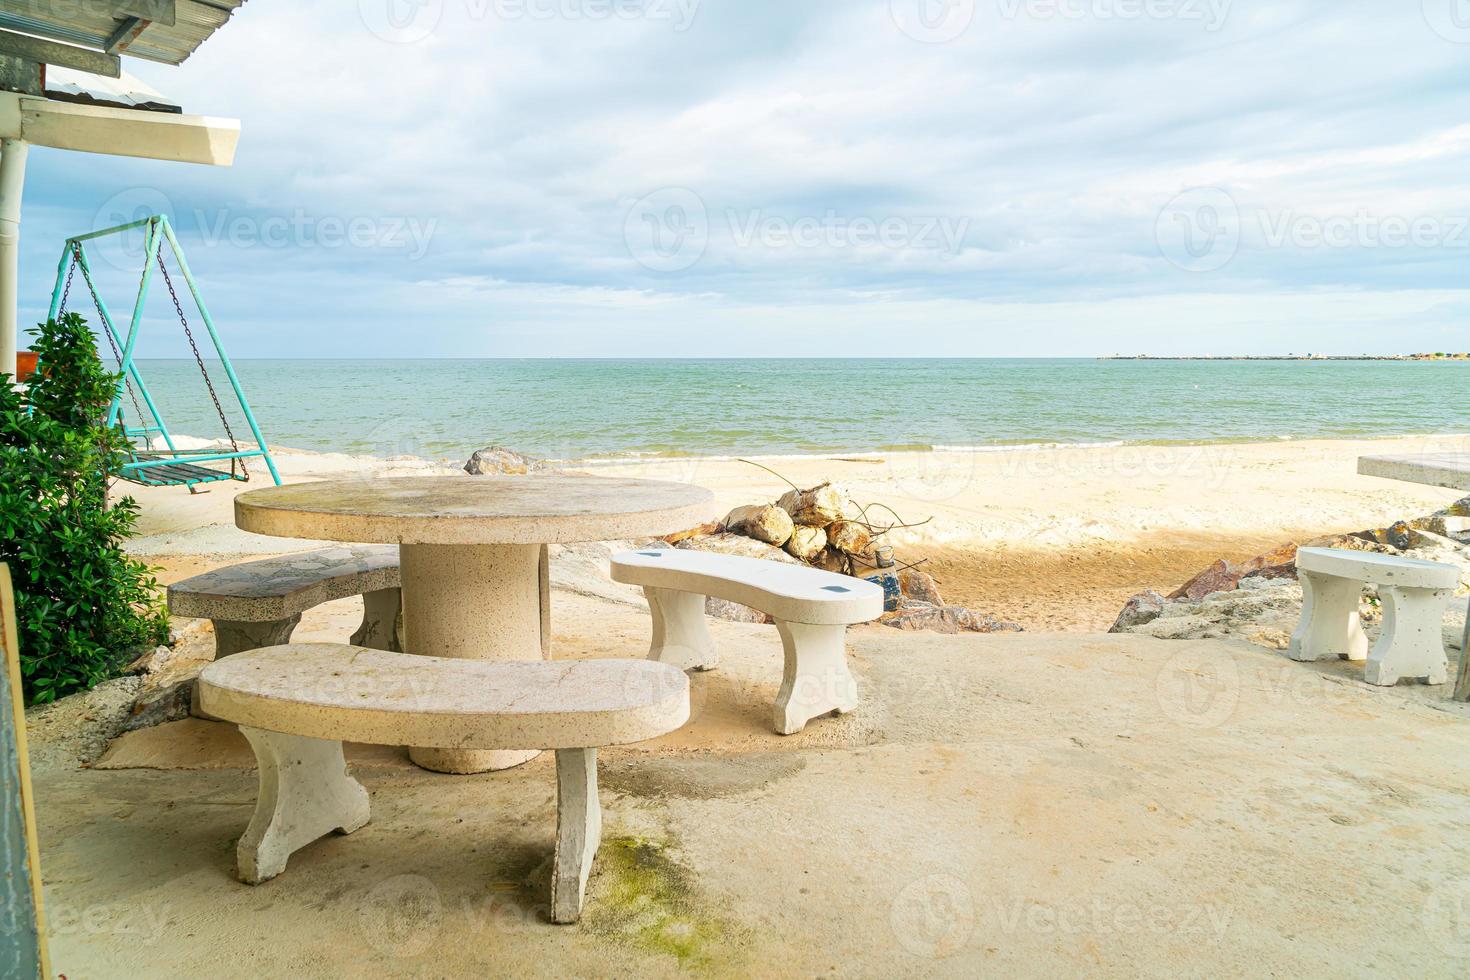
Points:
(647, 900)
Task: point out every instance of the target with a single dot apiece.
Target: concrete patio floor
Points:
(1018, 805)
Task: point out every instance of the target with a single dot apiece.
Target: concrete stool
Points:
(1414, 594)
(812, 610)
(298, 703)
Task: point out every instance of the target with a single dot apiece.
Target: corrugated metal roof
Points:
(91, 24)
(127, 92)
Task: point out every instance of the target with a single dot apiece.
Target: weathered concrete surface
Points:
(1017, 805)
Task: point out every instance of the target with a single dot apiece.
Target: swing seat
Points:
(174, 474)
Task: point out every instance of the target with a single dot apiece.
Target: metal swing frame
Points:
(171, 466)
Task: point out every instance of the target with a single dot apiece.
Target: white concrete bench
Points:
(812, 610)
(259, 603)
(1414, 594)
(298, 703)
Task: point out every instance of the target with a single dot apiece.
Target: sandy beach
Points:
(1052, 538)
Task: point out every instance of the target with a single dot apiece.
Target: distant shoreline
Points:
(1288, 357)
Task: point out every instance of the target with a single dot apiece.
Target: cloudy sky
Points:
(760, 178)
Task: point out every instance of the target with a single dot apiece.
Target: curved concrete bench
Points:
(1414, 594)
(259, 603)
(812, 610)
(298, 703)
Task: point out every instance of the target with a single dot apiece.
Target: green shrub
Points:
(85, 607)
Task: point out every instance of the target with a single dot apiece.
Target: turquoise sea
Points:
(571, 409)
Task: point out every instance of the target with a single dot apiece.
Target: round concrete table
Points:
(469, 549)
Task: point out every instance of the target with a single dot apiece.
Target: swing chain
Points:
(199, 359)
(76, 255)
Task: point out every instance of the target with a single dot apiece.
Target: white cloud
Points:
(1054, 136)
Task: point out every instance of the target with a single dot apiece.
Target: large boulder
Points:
(1143, 608)
(806, 542)
(763, 522)
(925, 616)
(817, 507)
(849, 537)
(726, 543)
(497, 460)
(1219, 577)
(919, 585)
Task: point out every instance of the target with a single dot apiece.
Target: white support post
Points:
(817, 680)
(680, 634)
(13, 154)
(578, 831)
(305, 793)
(1330, 625)
(1411, 643)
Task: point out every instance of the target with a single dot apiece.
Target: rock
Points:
(919, 586)
(1363, 541)
(763, 522)
(155, 707)
(1219, 577)
(725, 543)
(830, 560)
(734, 611)
(151, 662)
(806, 542)
(75, 730)
(849, 537)
(915, 616)
(701, 531)
(817, 507)
(1143, 608)
(1397, 535)
(1277, 563)
(499, 460)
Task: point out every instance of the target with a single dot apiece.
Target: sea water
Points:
(579, 409)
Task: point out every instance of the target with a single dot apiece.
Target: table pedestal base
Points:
(478, 602)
